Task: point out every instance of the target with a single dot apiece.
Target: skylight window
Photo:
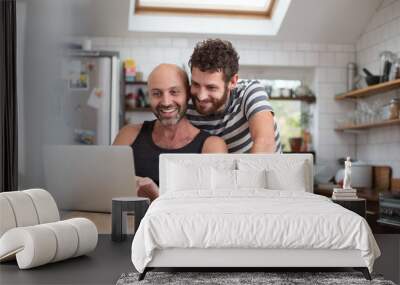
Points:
(210, 17)
(253, 8)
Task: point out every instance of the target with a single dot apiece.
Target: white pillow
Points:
(181, 177)
(293, 180)
(223, 179)
(281, 174)
(251, 178)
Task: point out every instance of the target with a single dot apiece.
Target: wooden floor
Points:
(101, 220)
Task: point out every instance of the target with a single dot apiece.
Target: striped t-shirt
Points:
(247, 99)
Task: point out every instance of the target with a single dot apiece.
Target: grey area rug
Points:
(273, 278)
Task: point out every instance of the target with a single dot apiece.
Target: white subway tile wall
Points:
(380, 146)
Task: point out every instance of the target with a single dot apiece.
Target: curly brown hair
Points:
(214, 55)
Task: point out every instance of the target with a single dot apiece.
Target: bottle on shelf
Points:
(395, 74)
(130, 70)
(351, 73)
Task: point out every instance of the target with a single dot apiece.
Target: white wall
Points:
(327, 62)
(380, 146)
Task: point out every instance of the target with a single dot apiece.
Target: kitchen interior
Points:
(334, 83)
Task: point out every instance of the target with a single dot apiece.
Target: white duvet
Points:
(252, 218)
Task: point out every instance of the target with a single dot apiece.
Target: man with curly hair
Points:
(237, 111)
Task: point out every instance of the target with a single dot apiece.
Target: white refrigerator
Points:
(91, 104)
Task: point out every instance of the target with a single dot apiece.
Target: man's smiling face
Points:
(209, 91)
(168, 94)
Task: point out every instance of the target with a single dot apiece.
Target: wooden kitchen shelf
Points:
(369, 91)
(308, 99)
(139, 85)
(368, 126)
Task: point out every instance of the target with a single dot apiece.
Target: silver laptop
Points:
(86, 178)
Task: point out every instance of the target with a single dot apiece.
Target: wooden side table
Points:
(120, 207)
(356, 205)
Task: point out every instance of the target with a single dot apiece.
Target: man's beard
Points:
(216, 103)
(166, 122)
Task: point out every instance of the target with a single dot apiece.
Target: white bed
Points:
(243, 210)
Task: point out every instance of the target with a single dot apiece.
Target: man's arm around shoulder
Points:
(214, 144)
(127, 135)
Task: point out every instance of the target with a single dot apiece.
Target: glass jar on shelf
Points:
(394, 109)
(365, 113)
(387, 58)
(396, 69)
(358, 114)
(376, 110)
(341, 122)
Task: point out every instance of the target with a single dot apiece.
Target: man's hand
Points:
(146, 188)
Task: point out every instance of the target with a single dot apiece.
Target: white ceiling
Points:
(327, 21)
(319, 21)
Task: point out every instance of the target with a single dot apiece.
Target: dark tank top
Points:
(146, 153)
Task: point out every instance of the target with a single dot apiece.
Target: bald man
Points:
(171, 132)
